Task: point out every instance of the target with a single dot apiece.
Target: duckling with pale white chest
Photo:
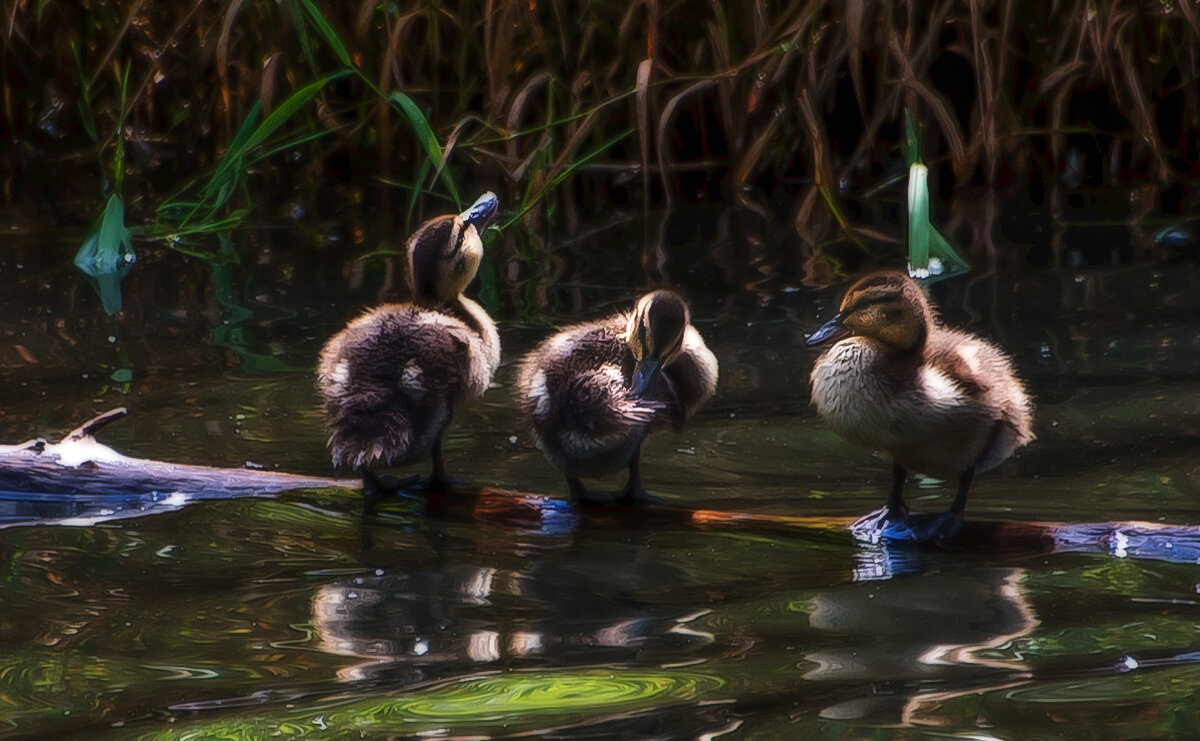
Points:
(393, 378)
(594, 391)
(940, 401)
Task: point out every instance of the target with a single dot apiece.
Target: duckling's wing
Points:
(575, 389)
(692, 376)
(985, 377)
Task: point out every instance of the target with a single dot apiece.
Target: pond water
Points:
(509, 614)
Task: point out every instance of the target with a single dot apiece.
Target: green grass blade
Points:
(322, 25)
(86, 115)
(288, 108)
(119, 149)
(531, 201)
(911, 145)
(420, 126)
(232, 156)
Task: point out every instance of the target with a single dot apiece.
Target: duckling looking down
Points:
(939, 401)
(594, 391)
(393, 378)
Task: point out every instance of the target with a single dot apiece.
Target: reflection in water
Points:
(920, 632)
(440, 620)
(272, 611)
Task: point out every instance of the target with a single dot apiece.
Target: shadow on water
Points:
(740, 609)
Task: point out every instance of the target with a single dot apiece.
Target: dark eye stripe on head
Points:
(457, 234)
(862, 301)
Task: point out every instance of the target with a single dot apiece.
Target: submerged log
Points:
(81, 481)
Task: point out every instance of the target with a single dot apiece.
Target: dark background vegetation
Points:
(773, 126)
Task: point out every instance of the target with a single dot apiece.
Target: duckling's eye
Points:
(460, 265)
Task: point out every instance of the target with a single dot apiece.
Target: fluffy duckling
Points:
(393, 378)
(938, 400)
(594, 391)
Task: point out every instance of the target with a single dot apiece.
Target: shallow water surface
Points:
(741, 609)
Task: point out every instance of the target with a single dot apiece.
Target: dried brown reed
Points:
(574, 106)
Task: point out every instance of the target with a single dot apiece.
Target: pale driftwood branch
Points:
(80, 476)
(89, 428)
(82, 481)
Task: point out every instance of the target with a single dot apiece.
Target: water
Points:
(510, 614)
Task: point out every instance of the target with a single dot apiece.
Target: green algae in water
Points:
(482, 702)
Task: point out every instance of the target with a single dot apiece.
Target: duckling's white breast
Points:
(850, 395)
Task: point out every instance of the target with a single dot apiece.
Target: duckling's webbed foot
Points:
(377, 487)
(636, 497)
(942, 528)
(385, 485)
(947, 525)
(887, 523)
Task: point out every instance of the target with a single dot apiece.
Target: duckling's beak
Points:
(643, 375)
(481, 211)
(828, 331)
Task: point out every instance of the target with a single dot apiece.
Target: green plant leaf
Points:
(326, 31)
(918, 217)
(530, 201)
(911, 145)
(107, 254)
(952, 262)
(428, 139)
(86, 115)
(924, 240)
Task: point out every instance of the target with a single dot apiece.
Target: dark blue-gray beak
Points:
(643, 375)
(481, 211)
(827, 331)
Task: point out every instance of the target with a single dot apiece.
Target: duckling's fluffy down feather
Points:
(953, 407)
(575, 390)
(393, 377)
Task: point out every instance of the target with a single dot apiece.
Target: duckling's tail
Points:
(361, 437)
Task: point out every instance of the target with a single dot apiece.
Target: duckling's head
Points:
(655, 335)
(887, 307)
(444, 252)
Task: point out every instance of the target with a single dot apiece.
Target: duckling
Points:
(594, 391)
(392, 379)
(938, 400)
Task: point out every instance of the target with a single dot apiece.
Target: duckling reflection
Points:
(917, 637)
(393, 378)
(594, 391)
(474, 607)
(938, 400)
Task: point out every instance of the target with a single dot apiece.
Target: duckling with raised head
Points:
(594, 391)
(393, 378)
(938, 400)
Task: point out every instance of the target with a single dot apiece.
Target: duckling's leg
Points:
(893, 521)
(634, 494)
(439, 482)
(580, 495)
(950, 523)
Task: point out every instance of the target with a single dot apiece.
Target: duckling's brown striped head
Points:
(886, 306)
(444, 253)
(655, 334)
